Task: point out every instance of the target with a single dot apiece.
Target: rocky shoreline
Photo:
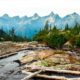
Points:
(36, 54)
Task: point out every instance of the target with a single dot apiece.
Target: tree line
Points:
(56, 38)
(11, 36)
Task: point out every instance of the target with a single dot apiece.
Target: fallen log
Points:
(53, 70)
(50, 77)
(31, 75)
(8, 54)
(51, 74)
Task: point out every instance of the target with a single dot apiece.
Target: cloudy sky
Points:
(42, 7)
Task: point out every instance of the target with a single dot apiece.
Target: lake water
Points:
(8, 64)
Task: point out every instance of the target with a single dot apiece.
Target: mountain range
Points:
(28, 26)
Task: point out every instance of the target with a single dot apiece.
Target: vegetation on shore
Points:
(56, 38)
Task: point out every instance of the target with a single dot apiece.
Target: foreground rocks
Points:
(56, 59)
(12, 47)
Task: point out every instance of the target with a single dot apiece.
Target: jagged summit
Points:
(75, 13)
(5, 16)
(51, 14)
(30, 25)
(36, 15)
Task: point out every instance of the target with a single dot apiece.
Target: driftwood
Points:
(12, 53)
(50, 77)
(31, 75)
(43, 75)
(53, 70)
(37, 75)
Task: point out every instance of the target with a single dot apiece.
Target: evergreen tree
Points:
(66, 27)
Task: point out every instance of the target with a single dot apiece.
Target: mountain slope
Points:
(28, 26)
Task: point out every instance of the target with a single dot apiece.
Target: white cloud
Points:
(42, 7)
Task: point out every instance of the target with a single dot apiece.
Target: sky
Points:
(42, 7)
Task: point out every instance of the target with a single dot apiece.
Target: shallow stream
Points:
(7, 64)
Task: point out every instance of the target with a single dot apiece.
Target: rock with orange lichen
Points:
(44, 54)
(36, 55)
(57, 58)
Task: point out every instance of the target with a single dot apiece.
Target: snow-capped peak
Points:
(5, 16)
(35, 16)
(51, 14)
